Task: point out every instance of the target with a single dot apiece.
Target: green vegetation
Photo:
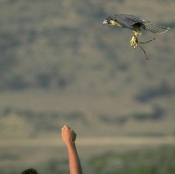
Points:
(146, 161)
(152, 161)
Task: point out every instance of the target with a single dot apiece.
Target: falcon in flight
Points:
(135, 24)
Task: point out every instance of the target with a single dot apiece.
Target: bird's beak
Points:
(104, 22)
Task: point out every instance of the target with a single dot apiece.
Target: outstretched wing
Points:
(154, 28)
(134, 23)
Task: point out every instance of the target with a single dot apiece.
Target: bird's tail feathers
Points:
(155, 28)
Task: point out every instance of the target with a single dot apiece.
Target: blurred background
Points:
(59, 65)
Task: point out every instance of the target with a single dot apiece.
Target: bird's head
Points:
(110, 21)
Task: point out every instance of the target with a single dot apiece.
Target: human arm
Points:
(69, 137)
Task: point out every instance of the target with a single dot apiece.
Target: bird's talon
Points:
(134, 42)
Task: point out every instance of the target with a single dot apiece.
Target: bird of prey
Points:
(135, 24)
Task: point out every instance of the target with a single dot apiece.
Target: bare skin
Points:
(69, 137)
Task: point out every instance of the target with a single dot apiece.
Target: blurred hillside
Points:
(64, 45)
(59, 65)
(60, 53)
